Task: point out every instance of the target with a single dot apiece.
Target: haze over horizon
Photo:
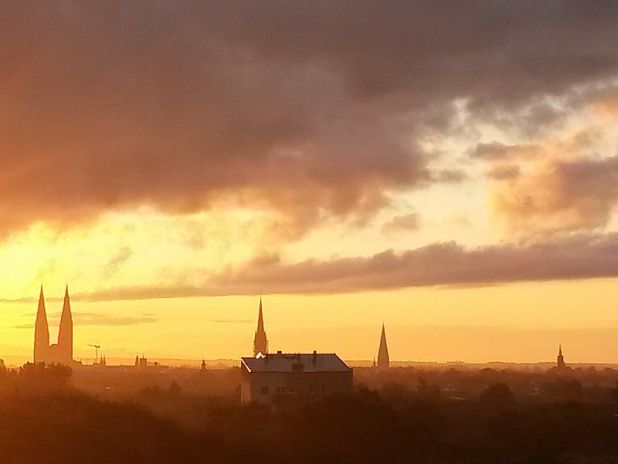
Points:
(452, 172)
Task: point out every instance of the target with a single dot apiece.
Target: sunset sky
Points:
(451, 171)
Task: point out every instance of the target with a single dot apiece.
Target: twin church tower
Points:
(61, 352)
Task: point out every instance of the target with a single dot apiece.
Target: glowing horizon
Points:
(173, 163)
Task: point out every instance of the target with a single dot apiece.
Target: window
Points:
(264, 390)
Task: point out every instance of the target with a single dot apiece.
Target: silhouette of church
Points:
(383, 358)
(61, 352)
(260, 342)
(560, 364)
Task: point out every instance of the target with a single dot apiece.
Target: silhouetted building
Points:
(141, 363)
(260, 342)
(560, 364)
(275, 378)
(383, 359)
(41, 332)
(61, 352)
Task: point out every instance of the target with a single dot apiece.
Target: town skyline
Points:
(44, 345)
(308, 232)
(452, 171)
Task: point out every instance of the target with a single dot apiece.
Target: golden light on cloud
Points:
(170, 174)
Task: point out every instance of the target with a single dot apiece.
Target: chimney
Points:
(315, 356)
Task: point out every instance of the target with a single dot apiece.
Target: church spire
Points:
(41, 331)
(65, 333)
(383, 358)
(560, 358)
(260, 326)
(260, 342)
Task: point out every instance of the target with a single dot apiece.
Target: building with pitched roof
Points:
(276, 378)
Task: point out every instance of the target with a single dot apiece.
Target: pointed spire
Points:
(41, 331)
(260, 341)
(560, 358)
(260, 326)
(383, 358)
(65, 333)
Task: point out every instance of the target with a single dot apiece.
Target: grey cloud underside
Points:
(442, 264)
(306, 107)
(584, 193)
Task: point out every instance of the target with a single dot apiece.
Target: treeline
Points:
(44, 420)
(71, 427)
(581, 384)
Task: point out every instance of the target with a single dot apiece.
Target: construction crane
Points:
(96, 356)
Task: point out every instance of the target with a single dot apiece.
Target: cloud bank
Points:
(311, 109)
(441, 264)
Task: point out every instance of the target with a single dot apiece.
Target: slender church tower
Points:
(383, 359)
(260, 342)
(65, 333)
(560, 364)
(41, 332)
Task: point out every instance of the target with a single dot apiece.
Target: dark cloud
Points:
(114, 263)
(404, 223)
(450, 176)
(563, 195)
(496, 151)
(311, 108)
(441, 264)
(504, 172)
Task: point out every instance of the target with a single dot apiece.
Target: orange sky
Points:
(173, 163)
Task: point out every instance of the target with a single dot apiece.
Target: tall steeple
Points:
(260, 342)
(65, 333)
(383, 359)
(560, 359)
(41, 332)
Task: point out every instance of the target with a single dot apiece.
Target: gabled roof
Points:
(301, 362)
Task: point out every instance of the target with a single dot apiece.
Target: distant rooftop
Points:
(300, 362)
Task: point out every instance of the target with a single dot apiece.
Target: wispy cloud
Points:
(84, 319)
(114, 263)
